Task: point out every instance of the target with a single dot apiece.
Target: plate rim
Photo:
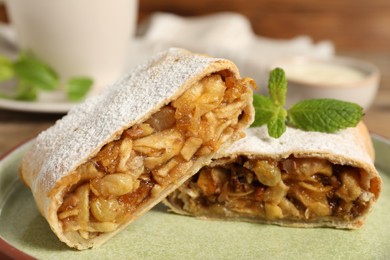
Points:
(6, 248)
(11, 251)
(36, 106)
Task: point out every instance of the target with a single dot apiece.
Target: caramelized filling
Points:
(291, 189)
(147, 157)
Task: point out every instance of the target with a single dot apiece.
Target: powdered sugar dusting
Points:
(346, 143)
(88, 126)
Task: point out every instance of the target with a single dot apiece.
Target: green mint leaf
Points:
(277, 124)
(267, 113)
(264, 109)
(78, 87)
(35, 73)
(277, 85)
(6, 69)
(324, 115)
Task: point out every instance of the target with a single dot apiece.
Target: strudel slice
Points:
(302, 179)
(112, 158)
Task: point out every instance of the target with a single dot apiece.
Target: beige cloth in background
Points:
(227, 35)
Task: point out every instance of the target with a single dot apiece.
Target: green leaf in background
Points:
(277, 85)
(78, 87)
(33, 75)
(6, 69)
(36, 73)
(324, 115)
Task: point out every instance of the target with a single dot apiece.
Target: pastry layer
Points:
(152, 155)
(299, 183)
(115, 156)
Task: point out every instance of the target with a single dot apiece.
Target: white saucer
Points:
(42, 107)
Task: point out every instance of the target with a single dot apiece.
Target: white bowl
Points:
(337, 77)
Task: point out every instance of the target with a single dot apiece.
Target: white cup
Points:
(77, 37)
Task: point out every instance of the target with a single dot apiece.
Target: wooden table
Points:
(17, 127)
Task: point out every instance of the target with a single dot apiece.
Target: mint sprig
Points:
(324, 115)
(33, 75)
(321, 115)
(277, 85)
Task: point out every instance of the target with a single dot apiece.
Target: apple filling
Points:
(295, 189)
(129, 172)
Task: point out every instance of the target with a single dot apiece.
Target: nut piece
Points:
(288, 208)
(317, 209)
(230, 111)
(267, 172)
(200, 99)
(68, 213)
(191, 145)
(124, 154)
(350, 189)
(316, 203)
(159, 147)
(135, 166)
(88, 171)
(114, 185)
(106, 210)
(307, 166)
(161, 173)
(272, 211)
(139, 131)
(276, 193)
(314, 186)
(102, 227)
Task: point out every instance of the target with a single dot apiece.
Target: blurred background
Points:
(358, 29)
(349, 24)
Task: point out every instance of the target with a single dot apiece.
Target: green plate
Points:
(162, 235)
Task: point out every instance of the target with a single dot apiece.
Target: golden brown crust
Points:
(48, 168)
(366, 139)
